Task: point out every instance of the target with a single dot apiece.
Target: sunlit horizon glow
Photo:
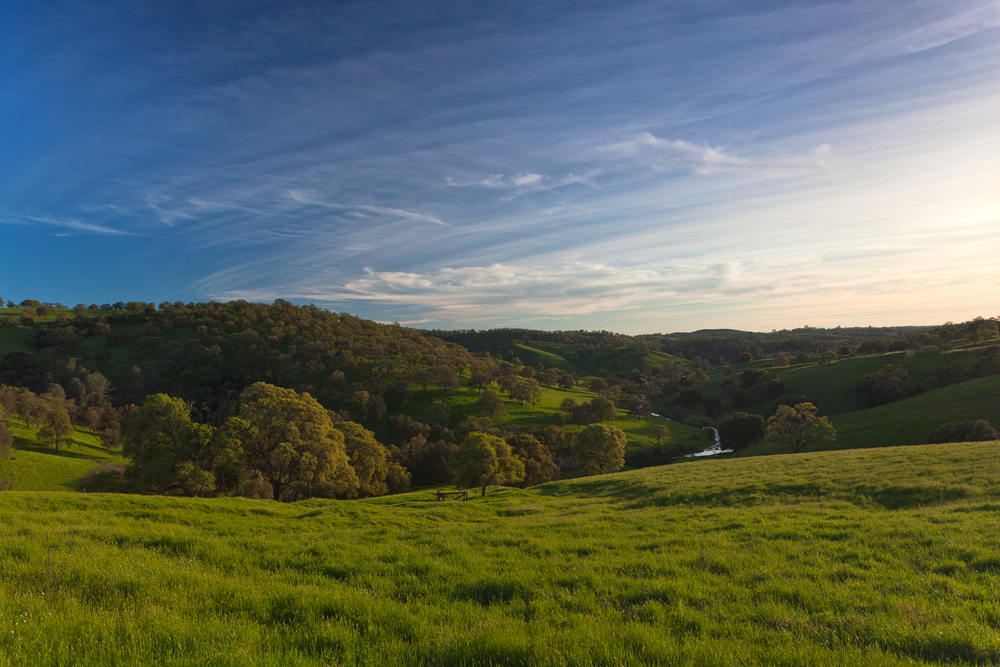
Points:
(637, 168)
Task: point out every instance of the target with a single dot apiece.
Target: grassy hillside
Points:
(587, 363)
(874, 557)
(16, 340)
(830, 386)
(527, 417)
(911, 421)
(35, 467)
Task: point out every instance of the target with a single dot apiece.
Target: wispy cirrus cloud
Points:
(663, 153)
(527, 182)
(309, 198)
(72, 223)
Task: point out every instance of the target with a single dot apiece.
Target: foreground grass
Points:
(875, 557)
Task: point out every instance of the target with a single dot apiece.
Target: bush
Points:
(256, 487)
(889, 384)
(755, 376)
(964, 431)
(740, 430)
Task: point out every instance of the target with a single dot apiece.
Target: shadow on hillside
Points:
(73, 451)
(637, 494)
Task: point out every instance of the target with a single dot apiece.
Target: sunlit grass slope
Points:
(35, 467)
(866, 557)
(912, 420)
(909, 421)
(586, 363)
(830, 387)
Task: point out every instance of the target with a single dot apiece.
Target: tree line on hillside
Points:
(284, 445)
(725, 347)
(361, 369)
(226, 347)
(491, 339)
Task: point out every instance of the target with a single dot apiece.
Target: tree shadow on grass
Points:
(637, 494)
(22, 445)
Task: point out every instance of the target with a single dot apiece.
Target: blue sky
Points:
(631, 166)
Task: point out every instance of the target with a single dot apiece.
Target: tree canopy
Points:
(600, 448)
(482, 460)
(796, 428)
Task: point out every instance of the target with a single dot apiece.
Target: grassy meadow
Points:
(866, 557)
(37, 467)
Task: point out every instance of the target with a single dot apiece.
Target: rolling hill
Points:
(864, 557)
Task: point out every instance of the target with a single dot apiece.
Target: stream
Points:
(711, 451)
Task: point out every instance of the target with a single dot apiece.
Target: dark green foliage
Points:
(370, 461)
(482, 460)
(889, 384)
(754, 376)
(539, 466)
(290, 439)
(403, 428)
(600, 449)
(283, 437)
(790, 401)
(428, 462)
(438, 413)
(741, 429)
(799, 427)
(489, 403)
(478, 341)
(689, 397)
(979, 430)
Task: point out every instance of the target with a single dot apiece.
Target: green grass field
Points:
(528, 417)
(830, 386)
(586, 363)
(36, 467)
(911, 421)
(17, 340)
(864, 557)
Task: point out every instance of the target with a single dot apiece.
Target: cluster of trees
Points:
(754, 385)
(332, 356)
(979, 430)
(726, 346)
(988, 363)
(888, 384)
(280, 444)
(284, 445)
(977, 330)
(486, 340)
(54, 414)
(6, 437)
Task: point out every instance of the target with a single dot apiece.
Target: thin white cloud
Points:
(402, 213)
(704, 159)
(304, 197)
(73, 223)
(525, 183)
(950, 29)
(526, 179)
(167, 215)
